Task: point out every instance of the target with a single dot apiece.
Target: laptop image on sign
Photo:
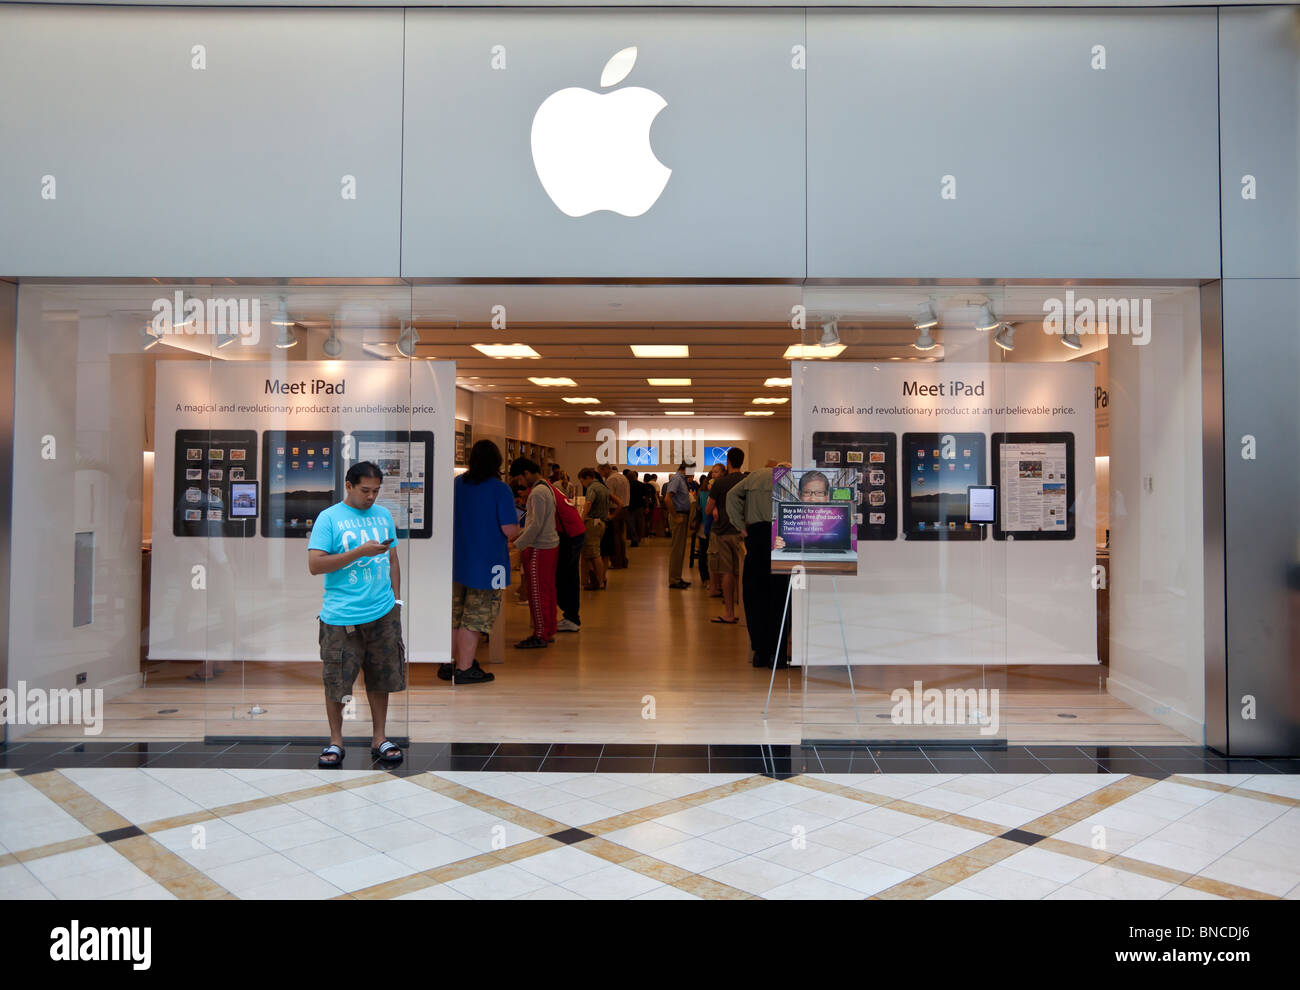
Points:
(816, 527)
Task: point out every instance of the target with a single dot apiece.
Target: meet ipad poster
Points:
(815, 519)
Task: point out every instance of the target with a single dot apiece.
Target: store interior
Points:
(562, 374)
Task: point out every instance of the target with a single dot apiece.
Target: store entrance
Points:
(188, 523)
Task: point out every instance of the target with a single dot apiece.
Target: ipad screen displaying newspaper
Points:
(1034, 493)
(403, 465)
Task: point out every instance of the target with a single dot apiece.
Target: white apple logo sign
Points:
(592, 151)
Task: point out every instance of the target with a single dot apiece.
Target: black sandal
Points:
(531, 643)
(385, 752)
(325, 764)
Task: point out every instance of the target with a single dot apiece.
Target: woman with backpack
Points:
(540, 543)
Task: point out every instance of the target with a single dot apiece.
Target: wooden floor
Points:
(644, 650)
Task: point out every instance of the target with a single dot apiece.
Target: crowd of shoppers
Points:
(723, 519)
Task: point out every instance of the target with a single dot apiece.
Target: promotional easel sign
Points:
(815, 519)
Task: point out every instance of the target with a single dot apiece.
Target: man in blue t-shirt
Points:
(354, 544)
(483, 519)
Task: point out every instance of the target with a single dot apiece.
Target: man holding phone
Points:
(354, 545)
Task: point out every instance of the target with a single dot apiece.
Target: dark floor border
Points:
(776, 761)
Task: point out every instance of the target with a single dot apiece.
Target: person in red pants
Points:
(540, 543)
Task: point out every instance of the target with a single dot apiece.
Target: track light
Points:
(226, 339)
(830, 333)
(407, 341)
(286, 337)
(1071, 339)
(332, 347)
(986, 320)
(925, 318)
(151, 339)
(925, 342)
(1003, 337)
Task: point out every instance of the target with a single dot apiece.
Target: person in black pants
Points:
(764, 594)
(567, 595)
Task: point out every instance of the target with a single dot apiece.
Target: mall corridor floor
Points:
(122, 830)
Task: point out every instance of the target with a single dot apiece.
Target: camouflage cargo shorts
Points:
(374, 647)
(474, 608)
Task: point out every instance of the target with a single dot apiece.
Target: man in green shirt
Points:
(597, 511)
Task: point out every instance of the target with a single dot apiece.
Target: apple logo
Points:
(592, 151)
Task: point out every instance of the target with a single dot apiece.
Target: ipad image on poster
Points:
(302, 476)
(1034, 475)
(200, 484)
(874, 456)
(407, 462)
(938, 469)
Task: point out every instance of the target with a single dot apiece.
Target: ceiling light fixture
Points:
(926, 318)
(506, 350)
(779, 382)
(772, 401)
(660, 350)
(670, 402)
(679, 412)
(986, 320)
(757, 412)
(581, 400)
(1071, 339)
(668, 382)
(925, 342)
(601, 412)
(151, 339)
(554, 382)
(800, 352)
(332, 347)
(1003, 338)
(407, 341)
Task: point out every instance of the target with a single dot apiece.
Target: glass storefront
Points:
(1007, 546)
(1029, 549)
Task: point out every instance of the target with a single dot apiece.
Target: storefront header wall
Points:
(731, 133)
(1260, 94)
(123, 159)
(241, 168)
(979, 143)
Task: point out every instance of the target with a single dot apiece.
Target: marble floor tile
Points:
(613, 882)
(752, 874)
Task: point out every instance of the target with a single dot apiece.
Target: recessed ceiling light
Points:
(679, 412)
(773, 401)
(553, 382)
(506, 350)
(758, 412)
(581, 400)
(669, 402)
(778, 382)
(667, 382)
(600, 412)
(804, 352)
(660, 350)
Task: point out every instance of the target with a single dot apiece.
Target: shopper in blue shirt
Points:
(483, 519)
(354, 545)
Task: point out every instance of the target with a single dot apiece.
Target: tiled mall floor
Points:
(132, 832)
